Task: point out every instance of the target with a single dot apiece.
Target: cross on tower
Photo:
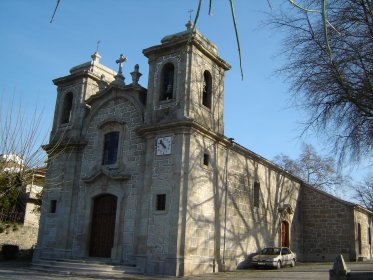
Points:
(120, 61)
(98, 44)
(190, 14)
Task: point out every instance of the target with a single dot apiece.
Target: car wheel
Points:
(292, 263)
(278, 265)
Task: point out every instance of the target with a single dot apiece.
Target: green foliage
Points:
(9, 192)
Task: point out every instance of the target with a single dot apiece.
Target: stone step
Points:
(84, 267)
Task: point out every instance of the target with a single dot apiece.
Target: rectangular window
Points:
(161, 202)
(53, 206)
(206, 159)
(111, 142)
(369, 236)
(256, 194)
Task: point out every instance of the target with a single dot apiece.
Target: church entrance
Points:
(284, 234)
(103, 226)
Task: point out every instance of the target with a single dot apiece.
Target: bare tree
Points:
(332, 76)
(364, 192)
(20, 152)
(320, 172)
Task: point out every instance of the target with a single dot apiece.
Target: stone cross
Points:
(339, 270)
(120, 61)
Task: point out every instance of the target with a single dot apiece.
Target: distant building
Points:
(20, 225)
(28, 199)
(146, 177)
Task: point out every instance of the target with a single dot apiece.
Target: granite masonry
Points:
(146, 177)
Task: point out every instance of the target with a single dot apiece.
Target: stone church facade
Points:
(146, 177)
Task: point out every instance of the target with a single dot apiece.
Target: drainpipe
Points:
(226, 197)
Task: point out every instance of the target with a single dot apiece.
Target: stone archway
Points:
(285, 234)
(103, 226)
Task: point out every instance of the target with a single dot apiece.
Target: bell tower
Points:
(73, 90)
(186, 81)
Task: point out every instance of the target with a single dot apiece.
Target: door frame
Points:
(286, 224)
(92, 217)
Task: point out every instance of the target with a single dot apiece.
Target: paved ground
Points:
(305, 271)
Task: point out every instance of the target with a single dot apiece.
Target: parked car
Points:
(276, 257)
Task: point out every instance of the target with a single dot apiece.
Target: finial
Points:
(190, 14)
(189, 25)
(119, 78)
(96, 57)
(98, 44)
(136, 75)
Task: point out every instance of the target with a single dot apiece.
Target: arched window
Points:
(67, 106)
(111, 142)
(167, 86)
(207, 89)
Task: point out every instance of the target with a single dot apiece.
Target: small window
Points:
(161, 202)
(207, 90)
(256, 194)
(111, 142)
(369, 236)
(359, 239)
(167, 87)
(206, 160)
(53, 206)
(67, 106)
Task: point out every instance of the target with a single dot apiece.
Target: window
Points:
(167, 86)
(359, 239)
(256, 194)
(110, 153)
(207, 90)
(285, 251)
(67, 106)
(53, 206)
(206, 160)
(369, 236)
(161, 202)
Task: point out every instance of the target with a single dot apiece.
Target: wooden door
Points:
(284, 234)
(103, 226)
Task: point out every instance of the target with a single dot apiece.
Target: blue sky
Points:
(258, 111)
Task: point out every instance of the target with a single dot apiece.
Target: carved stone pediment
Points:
(286, 209)
(115, 173)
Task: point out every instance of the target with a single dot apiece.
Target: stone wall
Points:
(224, 224)
(327, 226)
(363, 248)
(24, 236)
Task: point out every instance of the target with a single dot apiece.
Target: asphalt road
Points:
(304, 271)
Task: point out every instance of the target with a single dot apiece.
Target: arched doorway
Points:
(103, 226)
(284, 234)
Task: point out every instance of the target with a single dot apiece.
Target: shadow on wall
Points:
(226, 223)
(12, 252)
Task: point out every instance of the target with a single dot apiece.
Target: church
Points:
(145, 177)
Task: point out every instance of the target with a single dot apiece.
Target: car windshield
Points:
(270, 251)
